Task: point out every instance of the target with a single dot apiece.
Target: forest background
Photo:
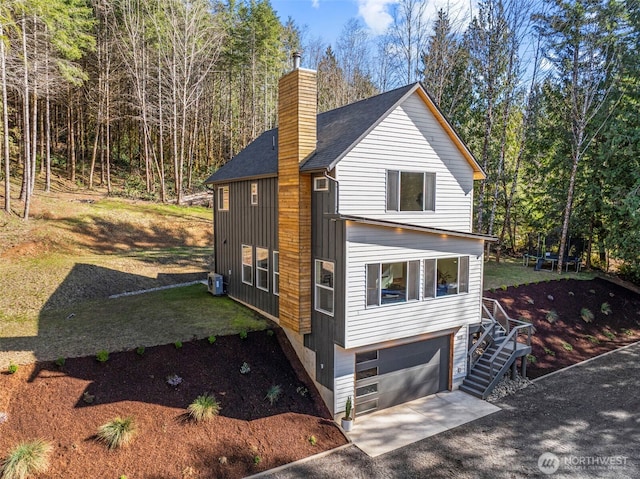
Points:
(146, 98)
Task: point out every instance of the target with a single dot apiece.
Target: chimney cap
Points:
(296, 60)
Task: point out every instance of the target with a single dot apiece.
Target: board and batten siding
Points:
(254, 225)
(408, 139)
(374, 244)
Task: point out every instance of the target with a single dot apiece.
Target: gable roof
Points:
(338, 131)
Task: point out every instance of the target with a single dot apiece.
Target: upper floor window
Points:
(276, 273)
(411, 191)
(247, 264)
(320, 183)
(262, 268)
(254, 193)
(392, 282)
(446, 276)
(223, 198)
(324, 286)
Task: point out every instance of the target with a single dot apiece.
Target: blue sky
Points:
(326, 18)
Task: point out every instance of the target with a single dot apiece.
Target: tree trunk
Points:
(5, 126)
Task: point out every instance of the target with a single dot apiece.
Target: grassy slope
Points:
(58, 269)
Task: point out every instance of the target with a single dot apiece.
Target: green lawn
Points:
(510, 272)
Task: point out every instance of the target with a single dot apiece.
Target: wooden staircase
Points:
(496, 350)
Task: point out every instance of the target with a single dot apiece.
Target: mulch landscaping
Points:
(66, 404)
(565, 338)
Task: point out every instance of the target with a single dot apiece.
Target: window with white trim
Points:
(262, 268)
(446, 276)
(247, 264)
(254, 194)
(411, 191)
(223, 198)
(324, 276)
(320, 183)
(389, 283)
(276, 273)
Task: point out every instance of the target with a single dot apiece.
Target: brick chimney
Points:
(297, 111)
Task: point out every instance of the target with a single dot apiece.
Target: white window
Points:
(223, 198)
(320, 183)
(276, 273)
(254, 193)
(324, 286)
(247, 264)
(411, 191)
(389, 283)
(446, 276)
(262, 268)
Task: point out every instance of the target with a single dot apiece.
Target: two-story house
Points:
(353, 230)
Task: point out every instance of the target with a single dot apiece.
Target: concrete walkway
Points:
(389, 429)
(584, 421)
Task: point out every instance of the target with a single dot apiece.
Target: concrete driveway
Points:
(581, 422)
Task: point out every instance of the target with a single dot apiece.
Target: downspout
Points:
(337, 183)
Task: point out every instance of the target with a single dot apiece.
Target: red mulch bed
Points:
(568, 297)
(46, 401)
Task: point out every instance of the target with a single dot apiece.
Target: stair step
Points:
(474, 383)
(472, 391)
(481, 373)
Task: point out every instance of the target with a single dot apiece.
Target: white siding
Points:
(371, 244)
(409, 139)
(344, 383)
(460, 342)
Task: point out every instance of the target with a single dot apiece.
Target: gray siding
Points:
(327, 243)
(244, 223)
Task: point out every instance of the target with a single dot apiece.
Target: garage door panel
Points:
(404, 373)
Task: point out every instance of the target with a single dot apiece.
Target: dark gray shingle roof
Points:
(338, 130)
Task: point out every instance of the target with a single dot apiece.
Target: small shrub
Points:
(257, 460)
(493, 290)
(102, 356)
(550, 352)
(204, 408)
(531, 358)
(178, 344)
(273, 394)
(551, 316)
(140, 350)
(211, 339)
(13, 368)
(122, 477)
(269, 332)
(605, 308)
(25, 459)
(173, 380)
(530, 300)
(302, 391)
(586, 315)
(312, 440)
(627, 332)
(243, 335)
(567, 347)
(592, 339)
(503, 287)
(245, 368)
(611, 336)
(118, 432)
(60, 362)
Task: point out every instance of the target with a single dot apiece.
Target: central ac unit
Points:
(215, 284)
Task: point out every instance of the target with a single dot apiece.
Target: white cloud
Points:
(375, 14)
(315, 3)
